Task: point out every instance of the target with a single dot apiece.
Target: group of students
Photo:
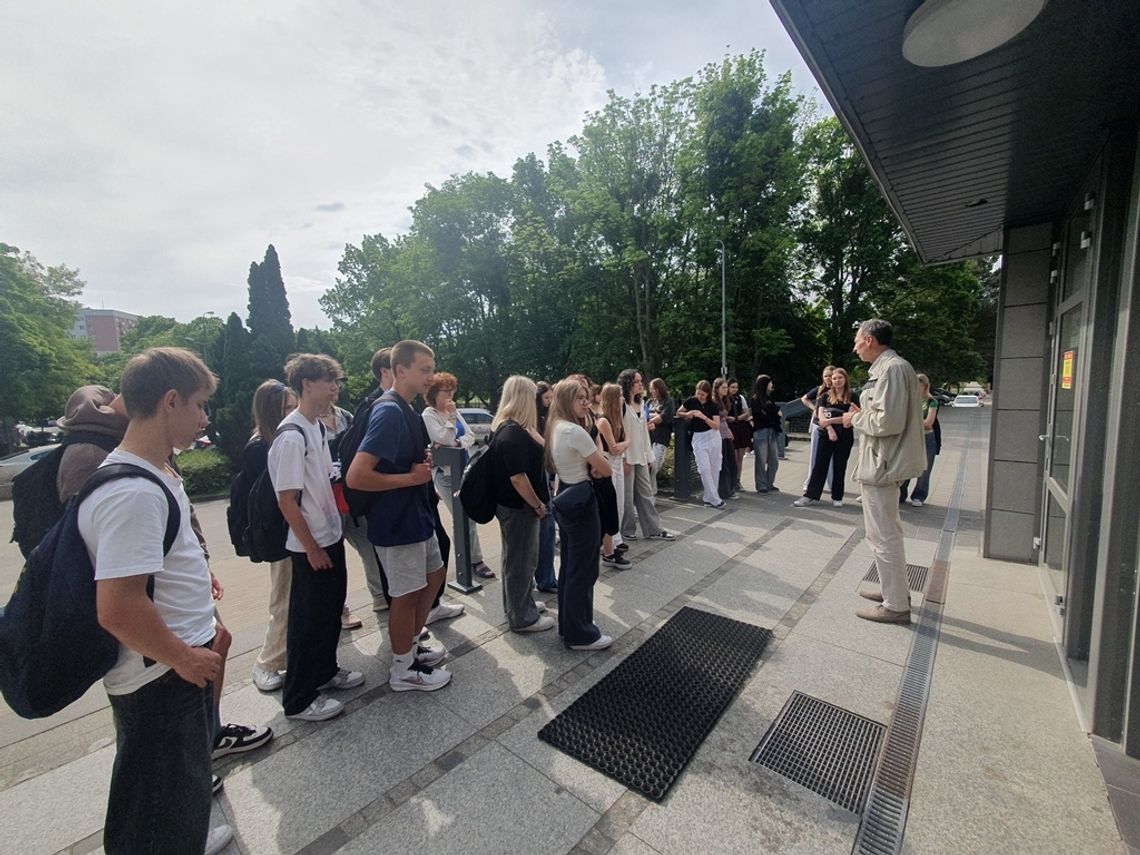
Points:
(832, 442)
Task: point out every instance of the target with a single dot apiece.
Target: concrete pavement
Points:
(1003, 765)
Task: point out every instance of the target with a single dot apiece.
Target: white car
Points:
(14, 464)
(967, 401)
(479, 420)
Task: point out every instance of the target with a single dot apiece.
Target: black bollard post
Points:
(451, 460)
(682, 459)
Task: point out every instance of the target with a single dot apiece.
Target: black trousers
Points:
(827, 451)
(579, 539)
(315, 602)
(728, 474)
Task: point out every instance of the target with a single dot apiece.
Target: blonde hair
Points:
(612, 400)
(269, 408)
(158, 370)
(562, 410)
(923, 382)
(517, 403)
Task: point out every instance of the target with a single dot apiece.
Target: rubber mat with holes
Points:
(642, 722)
(828, 749)
(915, 575)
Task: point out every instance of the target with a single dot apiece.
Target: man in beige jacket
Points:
(888, 424)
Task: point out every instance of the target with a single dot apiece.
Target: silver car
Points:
(479, 420)
(14, 464)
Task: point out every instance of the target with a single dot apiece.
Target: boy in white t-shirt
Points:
(160, 688)
(300, 467)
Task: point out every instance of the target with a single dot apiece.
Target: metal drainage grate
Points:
(828, 749)
(916, 576)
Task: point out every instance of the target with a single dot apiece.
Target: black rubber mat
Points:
(828, 749)
(915, 575)
(642, 722)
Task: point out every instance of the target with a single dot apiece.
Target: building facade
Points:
(104, 328)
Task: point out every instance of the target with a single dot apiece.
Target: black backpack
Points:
(359, 501)
(267, 529)
(35, 499)
(237, 514)
(52, 648)
(477, 490)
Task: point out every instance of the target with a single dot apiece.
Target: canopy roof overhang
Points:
(964, 151)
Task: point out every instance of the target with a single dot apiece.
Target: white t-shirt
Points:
(123, 524)
(292, 468)
(569, 447)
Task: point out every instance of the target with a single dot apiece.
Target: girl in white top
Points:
(572, 453)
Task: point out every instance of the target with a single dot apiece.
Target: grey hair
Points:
(879, 329)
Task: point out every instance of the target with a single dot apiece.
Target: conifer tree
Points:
(230, 421)
(269, 321)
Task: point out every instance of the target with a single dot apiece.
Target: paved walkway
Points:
(1003, 765)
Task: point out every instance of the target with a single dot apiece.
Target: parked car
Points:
(942, 396)
(479, 420)
(967, 401)
(14, 464)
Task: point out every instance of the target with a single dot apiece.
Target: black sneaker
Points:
(662, 535)
(236, 738)
(621, 547)
(617, 559)
(216, 785)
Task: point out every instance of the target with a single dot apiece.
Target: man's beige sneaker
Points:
(881, 614)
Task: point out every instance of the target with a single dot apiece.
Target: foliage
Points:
(202, 335)
(43, 363)
(231, 419)
(205, 471)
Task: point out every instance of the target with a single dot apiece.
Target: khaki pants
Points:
(273, 650)
(885, 538)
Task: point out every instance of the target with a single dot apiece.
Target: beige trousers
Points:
(885, 538)
(272, 656)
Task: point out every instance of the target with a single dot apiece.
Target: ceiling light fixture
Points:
(945, 32)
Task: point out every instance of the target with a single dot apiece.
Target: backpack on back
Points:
(35, 498)
(237, 514)
(266, 529)
(52, 648)
(477, 491)
(359, 501)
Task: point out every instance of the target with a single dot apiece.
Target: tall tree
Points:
(43, 363)
(231, 417)
(269, 320)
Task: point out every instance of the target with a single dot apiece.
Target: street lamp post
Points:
(723, 315)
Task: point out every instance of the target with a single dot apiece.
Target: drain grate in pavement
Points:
(828, 749)
(642, 722)
(916, 576)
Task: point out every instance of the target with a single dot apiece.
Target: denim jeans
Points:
(767, 461)
(922, 486)
(544, 578)
(580, 539)
(160, 797)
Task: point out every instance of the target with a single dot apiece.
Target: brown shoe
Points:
(877, 596)
(879, 614)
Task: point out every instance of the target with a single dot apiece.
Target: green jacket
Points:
(889, 424)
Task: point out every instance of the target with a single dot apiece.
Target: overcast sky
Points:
(160, 147)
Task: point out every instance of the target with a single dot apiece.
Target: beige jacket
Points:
(889, 424)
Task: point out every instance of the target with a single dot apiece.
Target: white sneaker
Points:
(444, 611)
(916, 503)
(218, 839)
(540, 605)
(430, 654)
(267, 681)
(803, 502)
(322, 709)
(837, 503)
(343, 679)
(420, 678)
(602, 643)
(543, 623)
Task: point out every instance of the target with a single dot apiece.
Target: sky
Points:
(160, 147)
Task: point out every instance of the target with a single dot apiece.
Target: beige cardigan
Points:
(889, 424)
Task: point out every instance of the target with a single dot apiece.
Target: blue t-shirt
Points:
(397, 436)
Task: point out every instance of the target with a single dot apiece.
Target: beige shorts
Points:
(407, 566)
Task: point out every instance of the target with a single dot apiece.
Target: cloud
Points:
(159, 148)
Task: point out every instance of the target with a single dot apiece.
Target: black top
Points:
(709, 408)
(516, 452)
(829, 410)
(764, 415)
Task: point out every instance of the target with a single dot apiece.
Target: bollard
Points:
(451, 461)
(682, 459)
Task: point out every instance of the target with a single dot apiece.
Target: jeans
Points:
(831, 457)
(314, 627)
(160, 797)
(728, 474)
(814, 433)
(519, 528)
(579, 541)
(922, 486)
(706, 451)
(544, 577)
(767, 461)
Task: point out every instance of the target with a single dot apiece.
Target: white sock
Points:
(402, 662)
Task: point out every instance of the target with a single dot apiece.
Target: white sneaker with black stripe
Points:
(420, 678)
(430, 654)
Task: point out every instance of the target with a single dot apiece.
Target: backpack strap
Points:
(115, 471)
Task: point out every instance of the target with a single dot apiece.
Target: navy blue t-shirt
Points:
(397, 436)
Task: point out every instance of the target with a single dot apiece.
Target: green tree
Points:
(270, 322)
(38, 308)
(230, 417)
